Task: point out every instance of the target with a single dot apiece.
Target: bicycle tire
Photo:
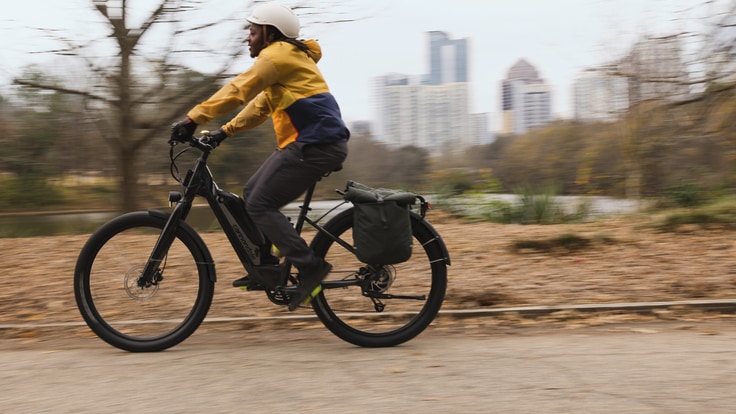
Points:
(143, 319)
(353, 317)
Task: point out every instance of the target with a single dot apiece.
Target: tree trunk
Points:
(128, 180)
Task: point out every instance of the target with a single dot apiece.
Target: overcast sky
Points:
(559, 37)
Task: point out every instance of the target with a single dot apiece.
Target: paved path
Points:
(668, 367)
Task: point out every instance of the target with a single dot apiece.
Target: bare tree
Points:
(133, 95)
(672, 71)
(136, 92)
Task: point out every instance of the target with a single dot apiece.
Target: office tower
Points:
(600, 94)
(526, 99)
(655, 70)
(434, 117)
(448, 59)
(430, 111)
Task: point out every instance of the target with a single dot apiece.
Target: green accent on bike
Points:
(312, 295)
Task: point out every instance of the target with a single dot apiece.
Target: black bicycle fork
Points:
(152, 272)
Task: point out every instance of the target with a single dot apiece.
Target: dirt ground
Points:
(627, 260)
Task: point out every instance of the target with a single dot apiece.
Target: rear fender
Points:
(418, 220)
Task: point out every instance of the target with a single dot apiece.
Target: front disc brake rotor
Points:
(133, 290)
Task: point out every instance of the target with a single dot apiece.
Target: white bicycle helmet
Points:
(278, 16)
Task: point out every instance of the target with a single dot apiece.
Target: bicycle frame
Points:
(229, 209)
(109, 254)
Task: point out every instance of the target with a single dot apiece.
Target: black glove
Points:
(214, 138)
(182, 131)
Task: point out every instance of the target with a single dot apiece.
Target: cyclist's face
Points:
(256, 41)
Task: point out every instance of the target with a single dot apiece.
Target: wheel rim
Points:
(141, 318)
(352, 316)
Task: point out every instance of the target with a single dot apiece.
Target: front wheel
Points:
(386, 305)
(137, 317)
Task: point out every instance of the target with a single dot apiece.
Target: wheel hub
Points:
(380, 278)
(133, 288)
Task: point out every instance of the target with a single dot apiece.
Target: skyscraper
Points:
(434, 117)
(655, 70)
(600, 95)
(652, 71)
(526, 100)
(448, 59)
(431, 111)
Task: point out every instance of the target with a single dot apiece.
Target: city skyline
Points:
(429, 110)
(384, 36)
(590, 33)
(652, 70)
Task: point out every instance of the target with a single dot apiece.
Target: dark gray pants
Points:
(282, 178)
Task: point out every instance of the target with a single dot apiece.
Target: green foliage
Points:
(499, 211)
(456, 181)
(452, 182)
(538, 207)
(718, 213)
(685, 195)
(27, 192)
(532, 207)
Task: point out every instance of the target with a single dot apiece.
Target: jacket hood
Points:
(315, 51)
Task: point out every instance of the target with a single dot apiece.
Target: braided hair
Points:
(274, 35)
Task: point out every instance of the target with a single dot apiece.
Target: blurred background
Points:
(468, 103)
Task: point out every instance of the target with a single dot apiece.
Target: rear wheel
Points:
(380, 305)
(143, 318)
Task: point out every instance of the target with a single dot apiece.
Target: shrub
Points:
(27, 192)
(685, 195)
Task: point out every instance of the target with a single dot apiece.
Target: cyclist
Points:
(285, 84)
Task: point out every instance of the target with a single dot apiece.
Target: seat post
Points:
(304, 208)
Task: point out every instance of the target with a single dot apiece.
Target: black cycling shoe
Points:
(249, 282)
(246, 283)
(309, 285)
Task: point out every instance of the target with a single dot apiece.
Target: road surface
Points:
(664, 367)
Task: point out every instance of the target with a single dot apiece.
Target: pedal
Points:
(266, 277)
(248, 284)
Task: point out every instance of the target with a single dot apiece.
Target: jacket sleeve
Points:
(236, 93)
(254, 114)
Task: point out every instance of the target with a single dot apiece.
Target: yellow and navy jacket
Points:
(284, 83)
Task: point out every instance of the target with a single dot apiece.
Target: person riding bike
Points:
(285, 84)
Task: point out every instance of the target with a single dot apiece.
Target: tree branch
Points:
(152, 19)
(89, 95)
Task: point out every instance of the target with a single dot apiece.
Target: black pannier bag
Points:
(381, 225)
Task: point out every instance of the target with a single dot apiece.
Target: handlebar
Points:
(201, 142)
